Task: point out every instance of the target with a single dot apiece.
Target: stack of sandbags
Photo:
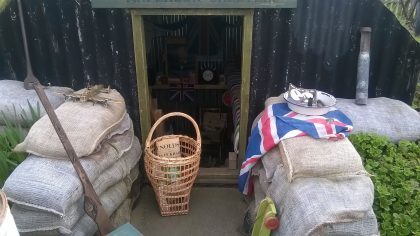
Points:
(45, 189)
(16, 101)
(320, 187)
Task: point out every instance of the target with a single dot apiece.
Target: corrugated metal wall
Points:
(315, 45)
(71, 45)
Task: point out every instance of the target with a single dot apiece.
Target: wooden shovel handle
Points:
(92, 203)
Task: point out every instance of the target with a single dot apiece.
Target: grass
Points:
(12, 135)
(396, 172)
(405, 12)
(3, 4)
(416, 100)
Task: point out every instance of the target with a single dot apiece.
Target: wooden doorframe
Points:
(141, 63)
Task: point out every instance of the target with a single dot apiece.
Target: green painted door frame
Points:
(141, 63)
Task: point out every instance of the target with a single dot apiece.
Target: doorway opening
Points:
(194, 65)
(197, 61)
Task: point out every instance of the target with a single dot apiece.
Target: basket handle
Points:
(152, 130)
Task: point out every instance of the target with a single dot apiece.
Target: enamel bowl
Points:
(325, 103)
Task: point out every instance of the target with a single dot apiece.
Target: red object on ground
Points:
(272, 223)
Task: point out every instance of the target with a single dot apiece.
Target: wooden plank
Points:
(211, 4)
(141, 73)
(217, 173)
(193, 12)
(217, 182)
(196, 86)
(217, 176)
(245, 85)
(160, 128)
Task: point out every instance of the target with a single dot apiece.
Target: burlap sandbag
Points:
(85, 124)
(15, 100)
(259, 190)
(258, 172)
(307, 205)
(270, 161)
(264, 182)
(364, 226)
(259, 195)
(367, 226)
(260, 186)
(110, 199)
(122, 214)
(309, 157)
(57, 186)
(35, 221)
(272, 158)
(383, 116)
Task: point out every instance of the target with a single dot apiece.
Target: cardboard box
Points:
(213, 125)
(233, 161)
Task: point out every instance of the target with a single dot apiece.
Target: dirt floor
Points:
(213, 211)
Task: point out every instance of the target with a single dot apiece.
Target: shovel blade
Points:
(29, 81)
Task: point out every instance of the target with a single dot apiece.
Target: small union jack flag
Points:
(183, 93)
(278, 122)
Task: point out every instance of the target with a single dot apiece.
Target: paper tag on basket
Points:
(168, 148)
(173, 173)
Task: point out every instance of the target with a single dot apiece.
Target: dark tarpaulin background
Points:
(314, 46)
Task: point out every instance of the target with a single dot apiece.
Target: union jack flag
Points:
(183, 92)
(278, 122)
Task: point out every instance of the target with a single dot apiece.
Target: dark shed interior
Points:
(194, 67)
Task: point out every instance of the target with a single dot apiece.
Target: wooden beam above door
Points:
(210, 4)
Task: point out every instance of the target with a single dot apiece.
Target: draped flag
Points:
(278, 122)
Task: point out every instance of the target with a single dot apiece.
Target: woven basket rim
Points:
(172, 114)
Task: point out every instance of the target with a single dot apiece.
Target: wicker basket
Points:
(173, 178)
